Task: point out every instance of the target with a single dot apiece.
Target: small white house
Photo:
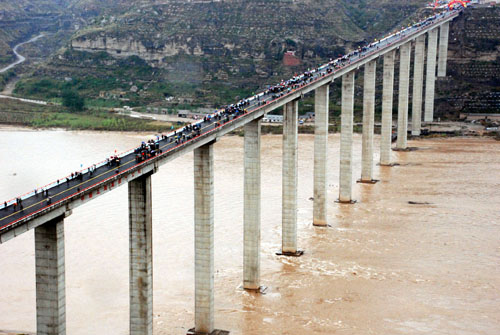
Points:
(273, 118)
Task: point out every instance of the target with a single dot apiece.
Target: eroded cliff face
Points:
(252, 29)
(123, 47)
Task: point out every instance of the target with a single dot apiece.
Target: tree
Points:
(72, 100)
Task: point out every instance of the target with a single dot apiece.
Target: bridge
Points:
(45, 209)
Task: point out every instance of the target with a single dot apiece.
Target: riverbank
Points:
(22, 113)
(434, 129)
(19, 113)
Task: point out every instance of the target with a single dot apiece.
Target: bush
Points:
(72, 100)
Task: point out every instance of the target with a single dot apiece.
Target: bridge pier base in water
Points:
(204, 238)
(50, 278)
(140, 256)
(404, 79)
(418, 81)
(252, 203)
(387, 102)
(320, 203)
(368, 123)
(443, 48)
(290, 178)
(430, 79)
(345, 183)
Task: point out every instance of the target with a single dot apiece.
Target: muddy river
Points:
(383, 267)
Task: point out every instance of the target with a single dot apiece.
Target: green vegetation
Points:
(43, 88)
(24, 114)
(72, 100)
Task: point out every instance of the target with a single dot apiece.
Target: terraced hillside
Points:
(212, 52)
(473, 81)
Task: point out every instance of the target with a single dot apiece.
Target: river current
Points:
(383, 267)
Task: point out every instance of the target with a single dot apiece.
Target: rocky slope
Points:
(214, 51)
(472, 84)
(241, 30)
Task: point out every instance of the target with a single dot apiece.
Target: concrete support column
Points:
(140, 256)
(50, 278)
(418, 82)
(251, 210)
(387, 98)
(320, 155)
(443, 48)
(430, 77)
(404, 78)
(290, 176)
(368, 122)
(204, 238)
(345, 184)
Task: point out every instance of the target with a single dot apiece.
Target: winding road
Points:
(20, 58)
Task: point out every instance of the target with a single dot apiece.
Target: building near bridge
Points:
(273, 118)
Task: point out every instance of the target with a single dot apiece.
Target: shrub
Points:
(72, 100)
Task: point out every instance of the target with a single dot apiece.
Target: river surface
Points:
(20, 58)
(383, 267)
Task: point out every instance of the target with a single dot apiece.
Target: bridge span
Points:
(44, 209)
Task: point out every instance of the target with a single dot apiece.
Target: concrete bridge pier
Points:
(345, 184)
(141, 256)
(50, 278)
(368, 123)
(443, 48)
(251, 210)
(418, 82)
(430, 79)
(290, 178)
(404, 79)
(387, 102)
(320, 155)
(204, 239)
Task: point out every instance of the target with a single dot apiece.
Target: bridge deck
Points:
(66, 195)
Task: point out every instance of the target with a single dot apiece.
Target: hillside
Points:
(21, 19)
(472, 84)
(210, 52)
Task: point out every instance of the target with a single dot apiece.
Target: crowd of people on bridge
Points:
(147, 150)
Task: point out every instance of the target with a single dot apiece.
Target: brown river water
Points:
(383, 267)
